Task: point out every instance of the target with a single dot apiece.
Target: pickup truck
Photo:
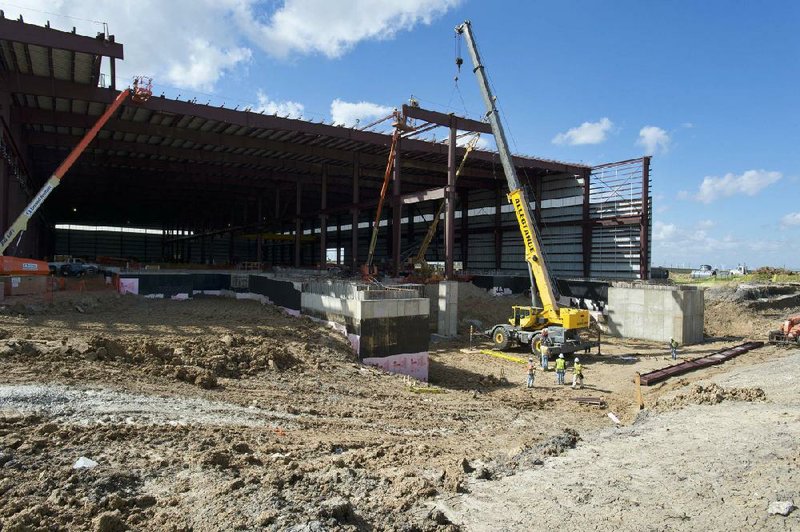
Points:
(73, 267)
(704, 272)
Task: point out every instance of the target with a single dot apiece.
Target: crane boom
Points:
(21, 223)
(537, 266)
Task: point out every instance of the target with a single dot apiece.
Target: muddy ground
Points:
(217, 414)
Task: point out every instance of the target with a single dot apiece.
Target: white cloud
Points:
(687, 125)
(791, 219)
(333, 27)
(359, 113)
(288, 109)
(653, 139)
(662, 231)
(586, 133)
(750, 183)
(204, 65)
(192, 44)
(706, 224)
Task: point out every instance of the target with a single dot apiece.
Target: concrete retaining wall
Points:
(656, 312)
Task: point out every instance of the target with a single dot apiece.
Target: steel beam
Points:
(446, 120)
(41, 86)
(17, 31)
(355, 211)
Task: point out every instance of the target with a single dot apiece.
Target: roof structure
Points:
(169, 161)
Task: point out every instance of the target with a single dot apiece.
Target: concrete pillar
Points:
(450, 214)
(448, 308)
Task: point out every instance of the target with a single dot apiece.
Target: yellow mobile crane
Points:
(525, 325)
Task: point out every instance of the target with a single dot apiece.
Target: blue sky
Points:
(709, 88)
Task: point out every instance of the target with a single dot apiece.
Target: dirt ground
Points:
(218, 414)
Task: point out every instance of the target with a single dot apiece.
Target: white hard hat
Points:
(561, 355)
(577, 359)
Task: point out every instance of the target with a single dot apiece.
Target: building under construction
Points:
(173, 181)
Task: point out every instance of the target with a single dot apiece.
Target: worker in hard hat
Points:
(577, 374)
(561, 369)
(673, 347)
(545, 343)
(531, 372)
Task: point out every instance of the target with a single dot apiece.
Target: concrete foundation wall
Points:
(390, 324)
(656, 312)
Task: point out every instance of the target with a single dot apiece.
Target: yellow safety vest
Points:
(577, 369)
(560, 364)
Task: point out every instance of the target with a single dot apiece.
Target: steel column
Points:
(586, 241)
(450, 215)
(464, 228)
(396, 211)
(339, 240)
(260, 239)
(355, 211)
(498, 230)
(298, 225)
(644, 231)
(323, 220)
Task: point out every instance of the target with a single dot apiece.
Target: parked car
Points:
(705, 271)
(74, 267)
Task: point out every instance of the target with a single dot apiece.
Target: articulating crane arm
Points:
(140, 92)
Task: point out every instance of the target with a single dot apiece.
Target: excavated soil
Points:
(710, 394)
(218, 414)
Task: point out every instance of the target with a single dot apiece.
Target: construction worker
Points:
(544, 346)
(673, 347)
(577, 374)
(561, 369)
(531, 372)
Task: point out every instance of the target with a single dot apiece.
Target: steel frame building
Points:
(223, 185)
